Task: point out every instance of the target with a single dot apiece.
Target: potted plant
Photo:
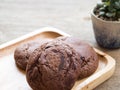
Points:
(106, 23)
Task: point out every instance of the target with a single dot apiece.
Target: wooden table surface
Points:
(19, 17)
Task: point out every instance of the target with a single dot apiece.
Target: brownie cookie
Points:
(23, 52)
(86, 53)
(53, 66)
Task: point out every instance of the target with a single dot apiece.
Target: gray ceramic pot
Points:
(107, 33)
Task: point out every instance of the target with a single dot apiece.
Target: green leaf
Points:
(107, 3)
(102, 9)
(110, 14)
(99, 5)
(102, 13)
(117, 5)
(111, 9)
(105, 6)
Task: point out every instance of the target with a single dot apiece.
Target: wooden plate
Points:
(11, 78)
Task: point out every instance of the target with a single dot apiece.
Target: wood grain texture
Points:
(19, 17)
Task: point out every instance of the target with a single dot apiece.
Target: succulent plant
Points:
(108, 10)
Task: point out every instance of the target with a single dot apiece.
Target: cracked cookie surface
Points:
(23, 52)
(53, 66)
(86, 53)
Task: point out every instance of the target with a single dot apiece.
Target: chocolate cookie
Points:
(86, 53)
(23, 52)
(53, 66)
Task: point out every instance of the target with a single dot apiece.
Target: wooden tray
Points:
(11, 78)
